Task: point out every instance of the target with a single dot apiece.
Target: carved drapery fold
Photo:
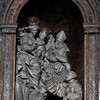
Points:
(43, 66)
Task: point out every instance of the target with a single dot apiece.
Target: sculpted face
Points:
(34, 30)
(59, 44)
(42, 35)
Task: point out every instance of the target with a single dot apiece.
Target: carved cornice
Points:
(8, 28)
(91, 28)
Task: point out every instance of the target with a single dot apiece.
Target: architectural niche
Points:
(8, 30)
(42, 66)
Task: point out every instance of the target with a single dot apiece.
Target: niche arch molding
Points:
(85, 6)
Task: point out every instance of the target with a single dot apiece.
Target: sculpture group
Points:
(42, 65)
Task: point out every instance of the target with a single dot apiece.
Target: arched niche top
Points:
(88, 10)
(85, 6)
(12, 10)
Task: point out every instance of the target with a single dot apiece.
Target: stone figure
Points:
(27, 67)
(73, 89)
(51, 43)
(42, 66)
(22, 31)
(56, 57)
(40, 51)
(62, 49)
(22, 80)
(55, 69)
(33, 26)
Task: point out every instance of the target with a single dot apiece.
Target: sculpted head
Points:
(60, 38)
(33, 25)
(51, 38)
(26, 43)
(43, 33)
(22, 31)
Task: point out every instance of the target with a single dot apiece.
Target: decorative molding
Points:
(91, 28)
(91, 67)
(14, 10)
(87, 7)
(87, 10)
(97, 6)
(8, 66)
(86, 66)
(5, 5)
(8, 28)
(15, 6)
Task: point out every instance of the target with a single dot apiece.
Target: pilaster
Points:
(91, 61)
(8, 61)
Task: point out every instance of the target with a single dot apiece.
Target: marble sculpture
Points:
(42, 65)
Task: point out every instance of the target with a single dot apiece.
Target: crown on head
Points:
(32, 21)
(45, 30)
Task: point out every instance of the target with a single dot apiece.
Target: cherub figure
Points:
(22, 31)
(51, 43)
(50, 48)
(40, 42)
